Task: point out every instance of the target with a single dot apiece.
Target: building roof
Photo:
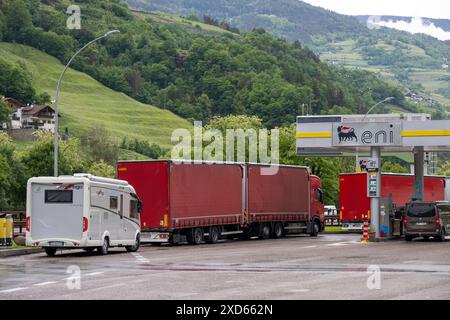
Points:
(13, 103)
(35, 109)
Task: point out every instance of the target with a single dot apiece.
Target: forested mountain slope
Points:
(194, 73)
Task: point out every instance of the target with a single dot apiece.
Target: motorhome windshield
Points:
(421, 210)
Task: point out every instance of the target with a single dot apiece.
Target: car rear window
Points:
(58, 196)
(421, 210)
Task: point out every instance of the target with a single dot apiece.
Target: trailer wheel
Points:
(136, 245)
(50, 251)
(213, 235)
(315, 229)
(264, 231)
(195, 236)
(103, 250)
(278, 230)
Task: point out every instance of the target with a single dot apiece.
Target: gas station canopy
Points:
(338, 134)
(343, 134)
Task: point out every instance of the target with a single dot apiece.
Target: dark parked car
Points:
(427, 219)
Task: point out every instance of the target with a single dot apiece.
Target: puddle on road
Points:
(292, 268)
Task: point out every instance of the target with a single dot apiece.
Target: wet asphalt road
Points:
(328, 267)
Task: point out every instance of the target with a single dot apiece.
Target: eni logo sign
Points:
(367, 134)
(346, 134)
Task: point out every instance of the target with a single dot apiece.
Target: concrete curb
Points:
(18, 252)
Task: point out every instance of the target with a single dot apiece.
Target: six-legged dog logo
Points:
(346, 134)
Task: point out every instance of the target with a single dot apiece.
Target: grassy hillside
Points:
(430, 80)
(158, 60)
(86, 103)
(165, 18)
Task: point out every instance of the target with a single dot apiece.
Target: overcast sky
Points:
(439, 9)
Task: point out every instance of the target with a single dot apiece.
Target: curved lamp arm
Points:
(58, 88)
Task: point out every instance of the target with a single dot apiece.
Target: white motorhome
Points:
(82, 212)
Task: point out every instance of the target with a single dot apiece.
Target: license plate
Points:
(421, 224)
(56, 244)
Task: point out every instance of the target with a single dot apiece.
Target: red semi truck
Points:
(203, 201)
(355, 205)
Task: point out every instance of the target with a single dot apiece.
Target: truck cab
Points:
(317, 203)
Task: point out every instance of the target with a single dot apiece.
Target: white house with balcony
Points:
(38, 117)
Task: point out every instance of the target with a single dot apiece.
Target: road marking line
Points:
(12, 290)
(345, 243)
(139, 258)
(44, 283)
(308, 247)
(142, 261)
(94, 273)
(300, 290)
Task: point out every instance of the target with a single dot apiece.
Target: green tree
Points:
(18, 21)
(235, 122)
(2, 26)
(102, 169)
(12, 177)
(16, 82)
(388, 166)
(444, 169)
(5, 112)
(99, 146)
(43, 98)
(59, 46)
(205, 105)
(38, 159)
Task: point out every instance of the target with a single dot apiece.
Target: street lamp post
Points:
(364, 118)
(58, 88)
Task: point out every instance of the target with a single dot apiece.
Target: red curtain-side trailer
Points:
(355, 205)
(204, 201)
